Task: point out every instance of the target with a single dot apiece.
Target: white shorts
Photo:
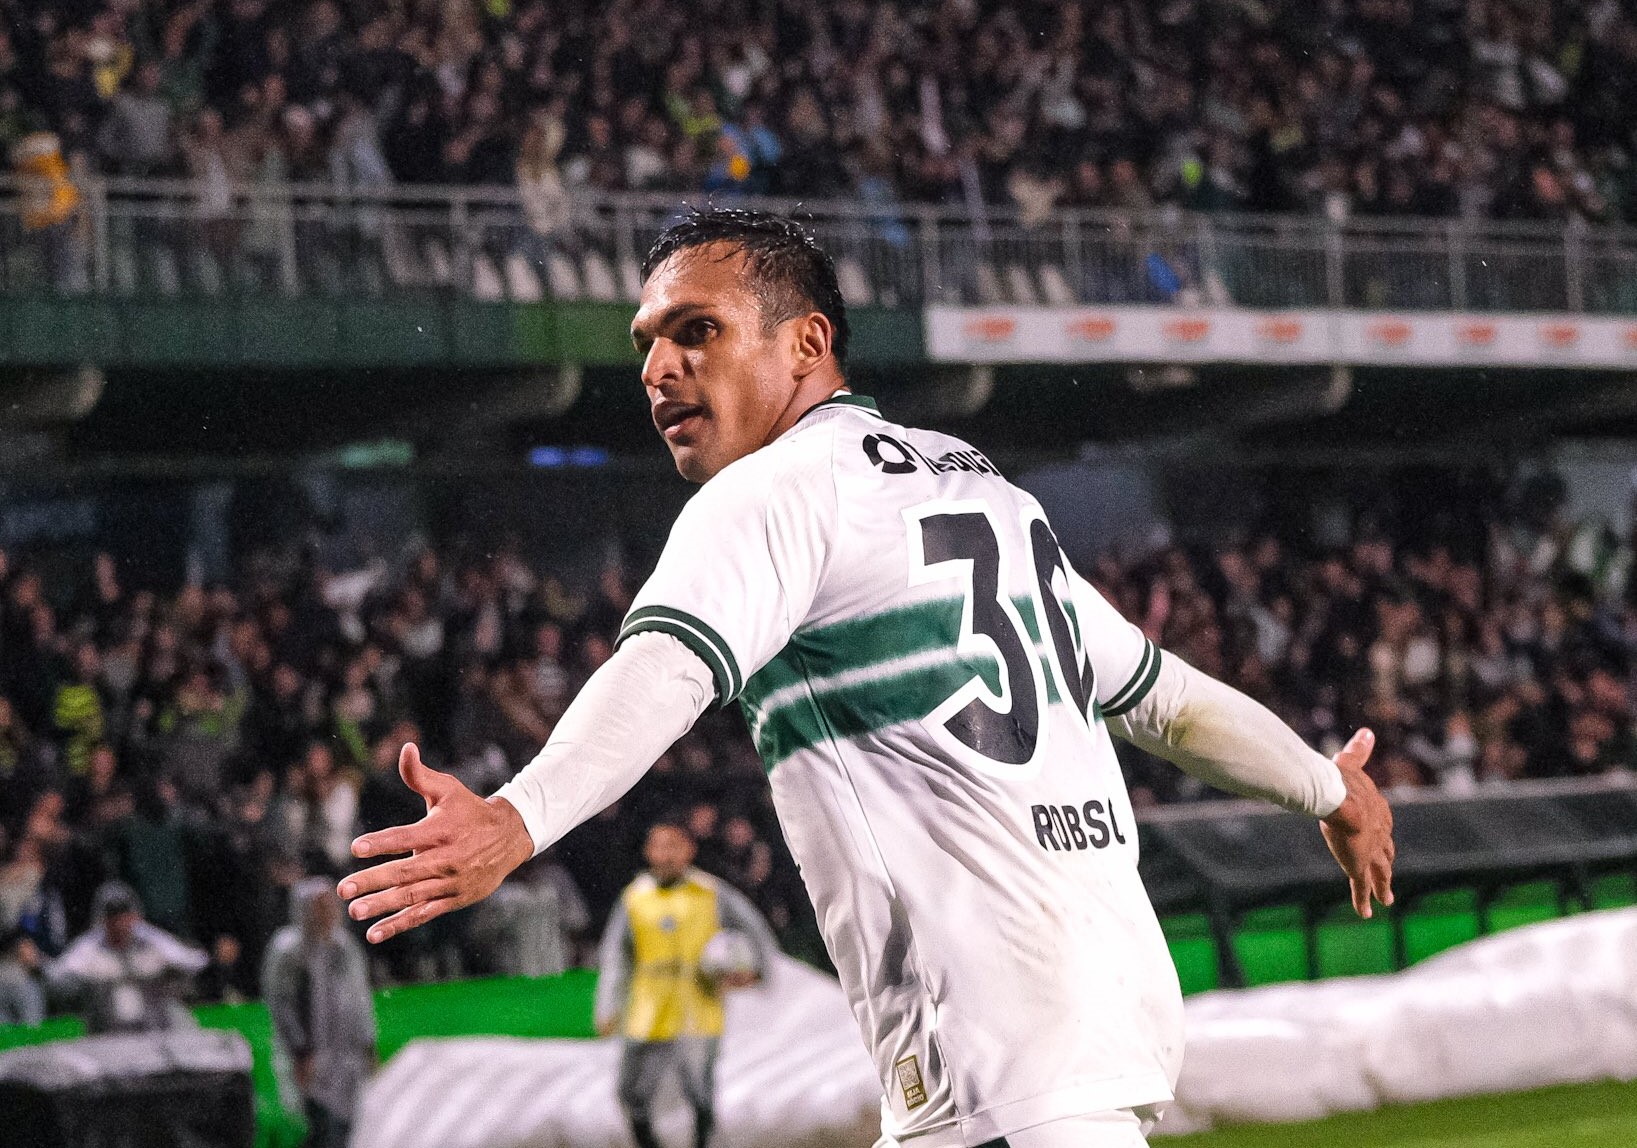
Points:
(1118, 1129)
(1121, 1128)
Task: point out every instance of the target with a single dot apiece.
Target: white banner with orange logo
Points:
(1233, 335)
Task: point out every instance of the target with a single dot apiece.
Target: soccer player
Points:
(651, 987)
(932, 688)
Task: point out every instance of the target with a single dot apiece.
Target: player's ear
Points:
(812, 335)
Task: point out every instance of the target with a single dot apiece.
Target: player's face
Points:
(668, 852)
(717, 381)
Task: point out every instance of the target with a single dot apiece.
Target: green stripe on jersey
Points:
(862, 675)
(697, 636)
(1142, 680)
(859, 642)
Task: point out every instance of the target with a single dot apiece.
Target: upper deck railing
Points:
(176, 238)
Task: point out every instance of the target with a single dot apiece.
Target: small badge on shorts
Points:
(909, 1079)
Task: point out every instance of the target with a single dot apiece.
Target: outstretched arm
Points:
(640, 701)
(1215, 733)
(1226, 739)
(1158, 702)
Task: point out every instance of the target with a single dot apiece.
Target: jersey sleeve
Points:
(1125, 662)
(743, 563)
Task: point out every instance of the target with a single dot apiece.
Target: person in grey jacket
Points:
(126, 974)
(22, 1000)
(316, 984)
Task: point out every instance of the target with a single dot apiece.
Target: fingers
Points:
(1373, 882)
(402, 897)
(423, 834)
(389, 875)
(423, 779)
(410, 918)
(1357, 751)
(1384, 878)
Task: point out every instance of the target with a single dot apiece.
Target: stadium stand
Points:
(1369, 106)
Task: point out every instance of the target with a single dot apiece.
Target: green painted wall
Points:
(429, 331)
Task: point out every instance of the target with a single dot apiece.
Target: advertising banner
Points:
(1236, 335)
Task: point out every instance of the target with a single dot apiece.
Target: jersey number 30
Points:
(949, 540)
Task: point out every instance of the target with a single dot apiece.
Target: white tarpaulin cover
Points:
(1554, 1003)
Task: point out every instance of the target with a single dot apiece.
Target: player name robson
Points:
(1091, 826)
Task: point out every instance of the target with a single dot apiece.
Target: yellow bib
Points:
(669, 927)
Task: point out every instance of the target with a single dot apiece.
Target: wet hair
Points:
(790, 273)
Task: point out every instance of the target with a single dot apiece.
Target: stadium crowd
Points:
(1504, 108)
(211, 747)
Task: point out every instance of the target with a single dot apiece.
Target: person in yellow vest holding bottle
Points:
(657, 988)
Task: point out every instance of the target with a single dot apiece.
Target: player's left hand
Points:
(1360, 831)
(460, 853)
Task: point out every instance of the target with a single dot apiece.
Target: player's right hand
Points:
(460, 853)
(1360, 831)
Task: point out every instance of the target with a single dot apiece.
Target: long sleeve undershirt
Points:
(1228, 740)
(648, 694)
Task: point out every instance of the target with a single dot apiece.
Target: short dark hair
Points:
(675, 824)
(790, 272)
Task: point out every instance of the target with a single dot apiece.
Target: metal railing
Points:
(134, 237)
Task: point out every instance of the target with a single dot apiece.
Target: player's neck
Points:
(812, 391)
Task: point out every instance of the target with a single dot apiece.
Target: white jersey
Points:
(873, 596)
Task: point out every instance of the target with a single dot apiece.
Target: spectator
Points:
(383, 799)
(150, 849)
(79, 709)
(278, 726)
(46, 865)
(139, 136)
(22, 999)
(197, 732)
(126, 974)
(50, 210)
(317, 811)
(532, 924)
(547, 209)
(316, 985)
(243, 886)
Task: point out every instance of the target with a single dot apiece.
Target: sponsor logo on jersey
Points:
(909, 1079)
(1072, 827)
(894, 456)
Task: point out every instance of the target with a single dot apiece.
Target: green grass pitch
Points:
(1581, 1116)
